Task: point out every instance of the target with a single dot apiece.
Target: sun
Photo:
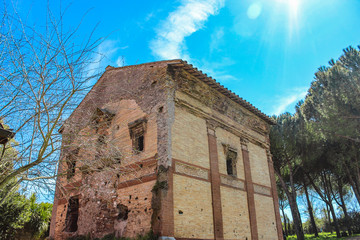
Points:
(293, 7)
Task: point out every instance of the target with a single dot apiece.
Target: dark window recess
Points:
(72, 215)
(101, 140)
(123, 211)
(231, 162)
(137, 131)
(139, 143)
(71, 163)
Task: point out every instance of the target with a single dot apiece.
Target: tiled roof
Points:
(220, 88)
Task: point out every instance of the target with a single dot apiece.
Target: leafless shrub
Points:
(44, 73)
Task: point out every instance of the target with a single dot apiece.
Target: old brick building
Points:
(163, 147)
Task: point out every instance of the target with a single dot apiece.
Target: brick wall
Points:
(189, 139)
(188, 125)
(259, 165)
(193, 217)
(235, 214)
(265, 216)
(227, 139)
(242, 198)
(104, 188)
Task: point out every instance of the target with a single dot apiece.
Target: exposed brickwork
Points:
(231, 181)
(215, 187)
(235, 213)
(193, 213)
(178, 184)
(191, 170)
(250, 193)
(167, 206)
(259, 189)
(225, 140)
(187, 132)
(265, 217)
(258, 165)
(103, 191)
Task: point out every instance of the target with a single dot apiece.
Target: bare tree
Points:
(44, 73)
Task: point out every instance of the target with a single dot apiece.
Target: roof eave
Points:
(220, 88)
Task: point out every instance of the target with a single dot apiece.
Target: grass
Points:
(323, 235)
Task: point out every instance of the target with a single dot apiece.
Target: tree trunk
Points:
(328, 190)
(296, 217)
(343, 206)
(328, 215)
(285, 226)
(291, 196)
(312, 220)
(335, 220)
(353, 183)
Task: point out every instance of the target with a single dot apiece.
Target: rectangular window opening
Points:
(72, 215)
(71, 162)
(231, 162)
(137, 133)
(140, 143)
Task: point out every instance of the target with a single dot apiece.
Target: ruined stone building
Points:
(162, 147)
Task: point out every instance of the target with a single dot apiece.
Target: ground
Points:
(325, 235)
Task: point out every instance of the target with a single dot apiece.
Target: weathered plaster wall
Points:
(126, 183)
(138, 199)
(128, 111)
(130, 93)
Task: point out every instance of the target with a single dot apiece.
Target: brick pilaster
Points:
(215, 185)
(275, 196)
(168, 207)
(250, 192)
(163, 225)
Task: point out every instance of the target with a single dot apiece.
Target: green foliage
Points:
(333, 101)
(287, 163)
(322, 236)
(21, 217)
(14, 214)
(319, 145)
(354, 221)
(332, 113)
(40, 216)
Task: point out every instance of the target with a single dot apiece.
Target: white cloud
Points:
(104, 55)
(120, 62)
(185, 20)
(216, 39)
(286, 101)
(217, 69)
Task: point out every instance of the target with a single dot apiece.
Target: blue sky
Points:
(266, 51)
